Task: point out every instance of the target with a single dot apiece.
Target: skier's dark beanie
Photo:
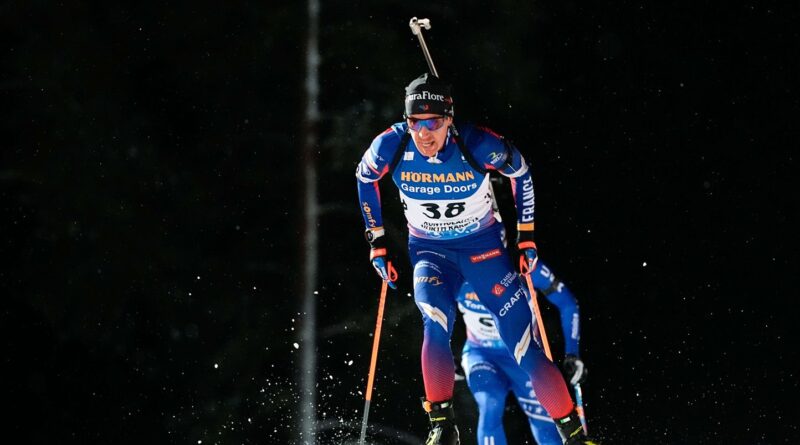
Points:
(428, 94)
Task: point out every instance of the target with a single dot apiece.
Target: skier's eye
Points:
(431, 124)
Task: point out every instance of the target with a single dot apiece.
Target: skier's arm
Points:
(498, 154)
(373, 166)
(549, 286)
(558, 294)
(516, 169)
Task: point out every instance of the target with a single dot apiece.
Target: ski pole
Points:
(579, 407)
(416, 26)
(523, 266)
(526, 271)
(375, 341)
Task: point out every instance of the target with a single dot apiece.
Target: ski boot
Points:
(571, 430)
(443, 423)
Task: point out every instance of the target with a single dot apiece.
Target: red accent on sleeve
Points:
(377, 191)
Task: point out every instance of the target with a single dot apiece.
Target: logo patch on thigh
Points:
(435, 314)
(498, 290)
(434, 281)
(485, 256)
(522, 345)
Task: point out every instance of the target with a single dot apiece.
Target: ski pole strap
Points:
(374, 253)
(524, 267)
(391, 271)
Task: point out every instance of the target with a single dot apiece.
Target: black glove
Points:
(379, 256)
(574, 370)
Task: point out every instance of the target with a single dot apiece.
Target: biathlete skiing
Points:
(441, 171)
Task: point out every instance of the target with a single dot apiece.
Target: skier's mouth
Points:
(428, 147)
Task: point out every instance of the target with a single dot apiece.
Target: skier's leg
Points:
(489, 387)
(500, 290)
(435, 283)
(542, 426)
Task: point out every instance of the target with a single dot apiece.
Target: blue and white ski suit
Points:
(453, 238)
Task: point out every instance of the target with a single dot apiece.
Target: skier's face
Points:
(429, 132)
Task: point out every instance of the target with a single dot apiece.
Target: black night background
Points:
(153, 196)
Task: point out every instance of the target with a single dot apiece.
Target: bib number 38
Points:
(453, 209)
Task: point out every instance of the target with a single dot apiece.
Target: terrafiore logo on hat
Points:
(427, 95)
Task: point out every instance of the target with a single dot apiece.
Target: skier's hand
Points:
(379, 256)
(385, 270)
(527, 251)
(574, 370)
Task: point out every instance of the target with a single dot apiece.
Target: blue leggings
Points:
(491, 374)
